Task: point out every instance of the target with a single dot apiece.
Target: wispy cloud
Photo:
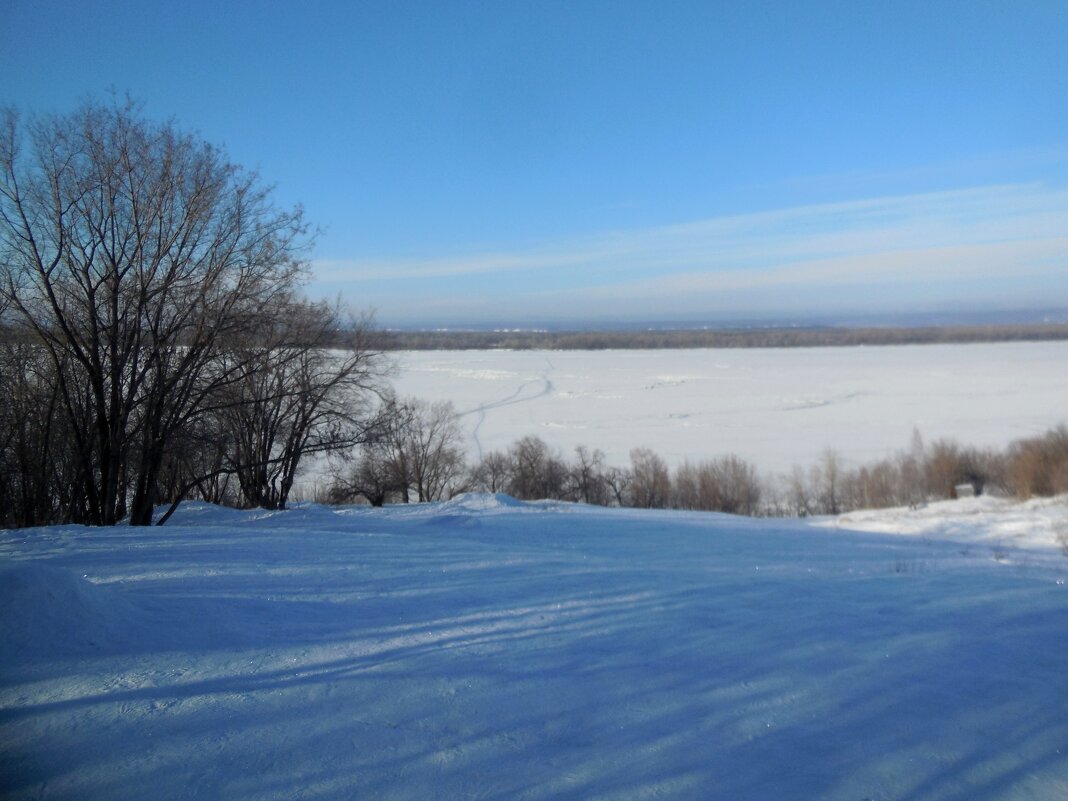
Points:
(977, 233)
(957, 263)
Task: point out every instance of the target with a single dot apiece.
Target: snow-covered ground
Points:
(774, 407)
(488, 649)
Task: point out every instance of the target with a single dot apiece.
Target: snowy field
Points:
(773, 407)
(488, 649)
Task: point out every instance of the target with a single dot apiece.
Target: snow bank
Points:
(46, 610)
(484, 503)
(996, 522)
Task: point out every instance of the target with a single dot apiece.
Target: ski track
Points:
(515, 398)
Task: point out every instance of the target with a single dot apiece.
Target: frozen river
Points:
(774, 407)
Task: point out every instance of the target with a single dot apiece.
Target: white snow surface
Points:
(486, 648)
(775, 407)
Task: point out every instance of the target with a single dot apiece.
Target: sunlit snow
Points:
(775, 407)
(485, 648)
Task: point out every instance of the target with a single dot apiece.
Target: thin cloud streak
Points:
(964, 262)
(901, 242)
(987, 214)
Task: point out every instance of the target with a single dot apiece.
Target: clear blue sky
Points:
(516, 161)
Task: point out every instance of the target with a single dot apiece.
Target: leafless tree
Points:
(37, 478)
(133, 252)
(412, 451)
(727, 484)
(493, 473)
(650, 486)
(536, 472)
(369, 477)
(618, 481)
(802, 497)
(295, 396)
(433, 441)
(586, 476)
(827, 483)
(1038, 465)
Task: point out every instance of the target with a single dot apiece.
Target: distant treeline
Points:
(420, 458)
(716, 338)
(679, 339)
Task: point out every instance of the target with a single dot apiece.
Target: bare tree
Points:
(294, 396)
(618, 481)
(412, 450)
(536, 471)
(433, 442)
(727, 484)
(738, 488)
(587, 476)
(37, 478)
(827, 477)
(493, 473)
(370, 477)
(650, 486)
(133, 252)
(802, 500)
(1038, 465)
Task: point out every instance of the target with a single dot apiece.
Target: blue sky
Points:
(585, 161)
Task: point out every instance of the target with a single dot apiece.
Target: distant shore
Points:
(792, 337)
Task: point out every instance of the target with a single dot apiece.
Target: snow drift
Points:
(49, 611)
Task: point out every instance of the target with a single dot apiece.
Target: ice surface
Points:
(773, 407)
(485, 648)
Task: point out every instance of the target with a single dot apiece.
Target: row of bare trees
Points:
(530, 469)
(417, 456)
(1029, 467)
(425, 440)
(154, 341)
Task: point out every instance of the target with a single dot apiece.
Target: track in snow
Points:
(515, 398)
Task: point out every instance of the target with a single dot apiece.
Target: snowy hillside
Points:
(488, 649)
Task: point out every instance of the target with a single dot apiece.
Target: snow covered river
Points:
(774, 407)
